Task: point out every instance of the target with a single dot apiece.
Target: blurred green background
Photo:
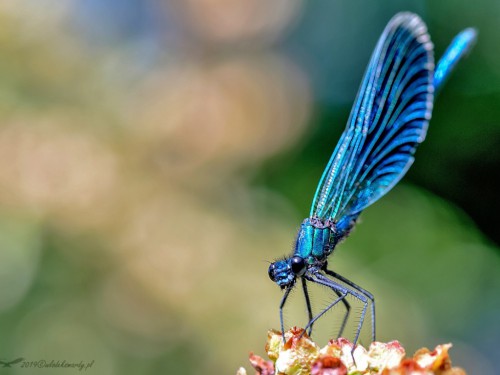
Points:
(155, 155)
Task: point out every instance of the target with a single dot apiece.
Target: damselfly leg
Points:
(341, 289)
(310, 314)
(282, 304)
(308, 305)
(319, 278)
(335, 275)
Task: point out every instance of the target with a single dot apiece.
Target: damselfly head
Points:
(284, 272)
(281, 273)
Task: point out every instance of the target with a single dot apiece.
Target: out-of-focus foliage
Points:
(154, 155)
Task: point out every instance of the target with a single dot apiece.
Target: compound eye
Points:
(298, 265)
(270, 272)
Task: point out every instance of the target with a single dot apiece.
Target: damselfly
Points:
(387, 123)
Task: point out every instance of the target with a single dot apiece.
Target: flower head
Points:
(297, 354)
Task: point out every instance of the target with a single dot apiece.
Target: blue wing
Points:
(459, 47)
(389, 119)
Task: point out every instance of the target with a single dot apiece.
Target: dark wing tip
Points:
(415, 25)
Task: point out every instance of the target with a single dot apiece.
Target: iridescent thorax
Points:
(315, 241)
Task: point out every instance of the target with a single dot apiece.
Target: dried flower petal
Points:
(262, 366)
(437, 360)
(328, 365)
(385, 355)
(295, 354)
